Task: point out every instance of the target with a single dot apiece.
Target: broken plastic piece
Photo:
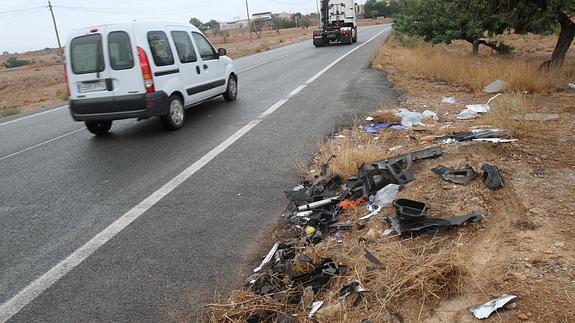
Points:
(385, 196)
(483, 311)
(492, 176)
(495, 86)
(268, 257)
(448, 100)
(353, 287)
(314, 308)
(455, 176)
(349, 204)
(470, 135)
(369, 215)
(496, 140)
(571, 85)
(409, 210)
(471, 110)
(415, 226)
(372, 258)
(315, 205)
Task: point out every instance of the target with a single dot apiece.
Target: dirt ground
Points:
(42, 84)
(524, 246)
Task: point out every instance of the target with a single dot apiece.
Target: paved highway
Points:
(145, 224)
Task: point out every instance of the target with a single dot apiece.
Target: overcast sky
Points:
(22, 29)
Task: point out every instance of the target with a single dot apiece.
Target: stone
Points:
(523, 317)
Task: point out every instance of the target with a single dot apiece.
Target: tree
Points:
(449, 20)
(213, 26)
(541, 16)
(378, 8)
(196, 22)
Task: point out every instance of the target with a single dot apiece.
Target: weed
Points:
(8, 111)
(62, 94)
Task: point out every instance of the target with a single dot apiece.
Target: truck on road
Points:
(338, 23)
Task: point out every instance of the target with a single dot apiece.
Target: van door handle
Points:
(205, 66)
(198, 69)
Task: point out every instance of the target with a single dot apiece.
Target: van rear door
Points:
(90, 77)
(125, 73)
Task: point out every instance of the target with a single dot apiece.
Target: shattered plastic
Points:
(483, 311)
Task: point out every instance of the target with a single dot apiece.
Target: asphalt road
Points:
(60, 187)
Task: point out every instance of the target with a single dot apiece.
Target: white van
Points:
(140, 70)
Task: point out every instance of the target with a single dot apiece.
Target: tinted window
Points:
(160, 47)
(86, 54)
(120, 49)
(184, 47)
(207, 52)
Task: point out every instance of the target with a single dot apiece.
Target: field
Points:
(523, 247)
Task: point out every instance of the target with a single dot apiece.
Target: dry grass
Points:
(427, 61)
(503, 112)
(415, 272)
(348, 152)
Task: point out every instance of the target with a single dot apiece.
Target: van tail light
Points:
(146, 71)
(66, 79)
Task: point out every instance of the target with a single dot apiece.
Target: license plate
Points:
(91, 87)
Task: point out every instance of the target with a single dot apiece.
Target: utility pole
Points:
(56, 26)
(249, 20)
(318, 14)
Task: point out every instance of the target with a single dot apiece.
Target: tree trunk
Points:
(562, 47)
(476, 47)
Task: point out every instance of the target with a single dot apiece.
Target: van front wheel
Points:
(232, 91)
(99, 128)
(174, 119)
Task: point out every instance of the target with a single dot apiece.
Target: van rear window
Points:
(86, 54)
(120, 49)
(160, 47)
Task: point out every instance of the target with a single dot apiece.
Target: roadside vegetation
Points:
(8, 111)
(524, 245)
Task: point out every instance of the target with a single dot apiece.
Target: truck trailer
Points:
(338, 23)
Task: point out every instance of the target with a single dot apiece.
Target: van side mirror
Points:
(222, 52)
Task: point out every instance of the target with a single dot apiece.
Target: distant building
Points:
(262, 16)
(238, 24)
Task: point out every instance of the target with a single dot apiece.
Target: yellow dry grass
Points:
(415, 272)
(349, 151)
(427, 61)
(504, 112)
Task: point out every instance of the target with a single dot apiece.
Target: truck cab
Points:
(338, 23)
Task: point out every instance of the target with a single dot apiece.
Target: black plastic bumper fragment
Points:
(456, 176)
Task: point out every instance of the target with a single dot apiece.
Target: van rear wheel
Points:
(99, 128)
(175, 117)
(232, 91)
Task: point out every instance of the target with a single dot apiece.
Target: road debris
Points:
(456, 176)
(492, 176)
(314, 308)
(353, 287)
(471, 135)
(409, 210)
(483, 311)
(571, 85)
(403, 228)
(473, 110)
(268, 257)
(448, 100)
(495, 86)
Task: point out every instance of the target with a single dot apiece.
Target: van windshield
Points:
(86, 54)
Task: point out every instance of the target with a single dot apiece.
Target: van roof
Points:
(129, 25)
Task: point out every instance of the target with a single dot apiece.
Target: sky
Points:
(27, 25)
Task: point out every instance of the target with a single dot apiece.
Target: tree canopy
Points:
(476, 21)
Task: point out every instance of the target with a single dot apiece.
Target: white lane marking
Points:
(39, 285)
(297, 90)
(41, 144)
(271, 60)
(32, 115)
